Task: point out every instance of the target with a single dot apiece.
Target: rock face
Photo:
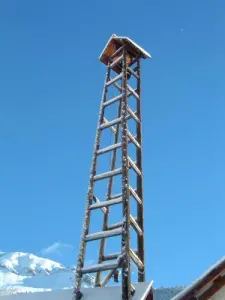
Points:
(27, 273)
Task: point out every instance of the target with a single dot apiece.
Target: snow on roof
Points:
(126, 40)
(110, 293)
(205, 278)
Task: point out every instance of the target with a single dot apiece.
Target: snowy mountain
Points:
(24, 273)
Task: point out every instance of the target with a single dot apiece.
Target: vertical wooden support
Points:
(140, 207)
(126, 286)
(86, 223)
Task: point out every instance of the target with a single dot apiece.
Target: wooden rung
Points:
(98, 201)
(133, 92)
(108, 174)
(135, 195)
(115, 225)
(129, 135)
(114, 79)
(103, 234)
(98, 268)
(133, 115)
(116, 196)
(118, 60)
(106, 203)
(119, 88)
(109, 148)
(136, 226)
(117, 52)
(113, 122)
(132, 138)
(133, 166)
(110, 123)
(133, 72)
(136, 260)
(111, 256)
(111, 101)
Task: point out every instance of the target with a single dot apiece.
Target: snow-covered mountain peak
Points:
(28, 264)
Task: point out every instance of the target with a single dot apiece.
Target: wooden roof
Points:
(208, 286)
(117, 41)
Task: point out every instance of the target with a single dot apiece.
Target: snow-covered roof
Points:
(142, 290)
(205, 282)
(124, 40)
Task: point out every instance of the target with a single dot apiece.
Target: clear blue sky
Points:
(51, 85)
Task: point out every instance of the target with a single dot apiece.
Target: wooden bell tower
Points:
(123, 60)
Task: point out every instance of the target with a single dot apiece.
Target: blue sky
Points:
(51, 85)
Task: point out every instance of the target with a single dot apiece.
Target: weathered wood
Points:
(98, 201)
(103, 234)
(81, 253)
(134, 167)
(115, 225)
(108, 174)
(118, 51)
(113, 100)
(140, 207)
(111, 256)
(135, 195)
(133, 115)
(116, 62)
(99, 267)
(133, 92)
(133, 73)
(135, 226)
(111, 81)
(130, 136)
(136, 259)
(110, 123)
(106, 203)
(126, 276)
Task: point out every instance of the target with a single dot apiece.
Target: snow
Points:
(26, 264)
(24, 272)
(109, 293)
(46, 279)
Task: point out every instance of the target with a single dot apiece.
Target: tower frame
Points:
(123, 57)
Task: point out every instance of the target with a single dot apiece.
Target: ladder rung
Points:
(135, 195)
(133, 92)
(133, 165)
(135, 226)
(116, 196)
(130, 136)
(113, 122)
(133, 72)
(98, 201)
(110, 123)
(133, 115)
(111, 101)
(115, 225)
(109, 148)
(117, 52)
(98, 268)
(136, 260)
(114, 79)
(108, 174)
(103, 234)
(111, 256)
(119, 88)
(106, 203)
(118, 60)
